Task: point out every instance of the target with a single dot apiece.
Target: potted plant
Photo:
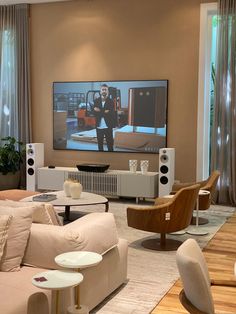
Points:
(11, 158)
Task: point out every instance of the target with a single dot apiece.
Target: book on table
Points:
(44, 197)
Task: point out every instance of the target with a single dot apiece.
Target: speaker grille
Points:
(30, 171)
(30, 161)
(164, 180)
(164, 169)
(164, 158)
(30, 151)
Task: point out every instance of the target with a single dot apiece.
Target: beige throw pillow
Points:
(18, 234)
(5, 221)
(43, 213)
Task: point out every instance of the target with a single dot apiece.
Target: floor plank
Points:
(220, 255)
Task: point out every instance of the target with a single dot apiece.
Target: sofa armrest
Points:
(94, 232)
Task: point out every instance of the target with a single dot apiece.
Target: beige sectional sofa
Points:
(94, 232)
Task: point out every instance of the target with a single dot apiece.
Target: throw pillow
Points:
(43, 213)
(5, 221)
(18, 234)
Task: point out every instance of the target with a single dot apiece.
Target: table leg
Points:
(77, 302)
(57, 301)
(195, 230)
(106, 206)
(67, 213)
(77, 298)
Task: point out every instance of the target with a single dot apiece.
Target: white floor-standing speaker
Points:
(166, 170)
(34, 160)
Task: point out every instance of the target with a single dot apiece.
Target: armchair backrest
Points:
(181, 208)
(195, 277)
(210, 183)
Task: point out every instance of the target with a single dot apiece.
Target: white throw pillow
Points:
(43, 213)
(5, 221)
(18, 234)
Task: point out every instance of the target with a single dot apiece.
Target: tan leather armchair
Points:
(204, 200)
(173, 215)
(208, 185)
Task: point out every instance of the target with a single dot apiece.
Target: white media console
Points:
(110, 183)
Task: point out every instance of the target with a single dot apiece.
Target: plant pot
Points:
(9, 181)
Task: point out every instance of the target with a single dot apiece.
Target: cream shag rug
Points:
(150, 273)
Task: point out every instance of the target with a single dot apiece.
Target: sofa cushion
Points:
(5, 221)
(18, 295)
(18, 234)
(94, 232)
(43, 213)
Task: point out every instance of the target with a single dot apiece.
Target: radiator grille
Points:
(95, 182)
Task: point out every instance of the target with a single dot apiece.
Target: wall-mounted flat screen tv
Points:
(119, 116)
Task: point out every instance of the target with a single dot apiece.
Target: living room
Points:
(101, 40)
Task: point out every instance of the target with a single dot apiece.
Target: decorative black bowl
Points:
(93, 167)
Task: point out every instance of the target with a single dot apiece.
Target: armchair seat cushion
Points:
(18, 284)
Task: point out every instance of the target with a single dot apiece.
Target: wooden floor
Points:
(220, 255)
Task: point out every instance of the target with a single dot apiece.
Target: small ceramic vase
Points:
(144, 166)
(133, 163)
(75, 189)
(66, 187)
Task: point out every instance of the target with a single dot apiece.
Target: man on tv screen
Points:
(104, 112)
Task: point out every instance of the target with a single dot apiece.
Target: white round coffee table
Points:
(86, 198)
(78, 260)
(57, 280)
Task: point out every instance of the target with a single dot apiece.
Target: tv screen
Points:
(120, 116)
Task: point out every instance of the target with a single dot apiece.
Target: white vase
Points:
(144, 166)
(133, 163)
(66, 187)
(75, 189)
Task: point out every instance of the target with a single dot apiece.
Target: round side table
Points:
(195, 230)
(78, 260)
(57, 280)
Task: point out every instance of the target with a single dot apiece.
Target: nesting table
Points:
(78, 260)
(195, 229)
(57, 280)
(61, 279)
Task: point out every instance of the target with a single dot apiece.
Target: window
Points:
(207, 48)
(8, 84)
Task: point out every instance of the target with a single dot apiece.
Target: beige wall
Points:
(118, 40)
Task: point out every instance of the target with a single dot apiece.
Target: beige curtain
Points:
(224, 125)
(14, 72)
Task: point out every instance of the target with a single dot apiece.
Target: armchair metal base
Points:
(155, 244)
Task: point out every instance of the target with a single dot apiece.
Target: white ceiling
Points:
(3, 2)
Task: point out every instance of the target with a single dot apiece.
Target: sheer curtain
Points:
(224, 126)
(14, 72)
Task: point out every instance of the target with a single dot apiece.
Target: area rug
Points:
(150, 273)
